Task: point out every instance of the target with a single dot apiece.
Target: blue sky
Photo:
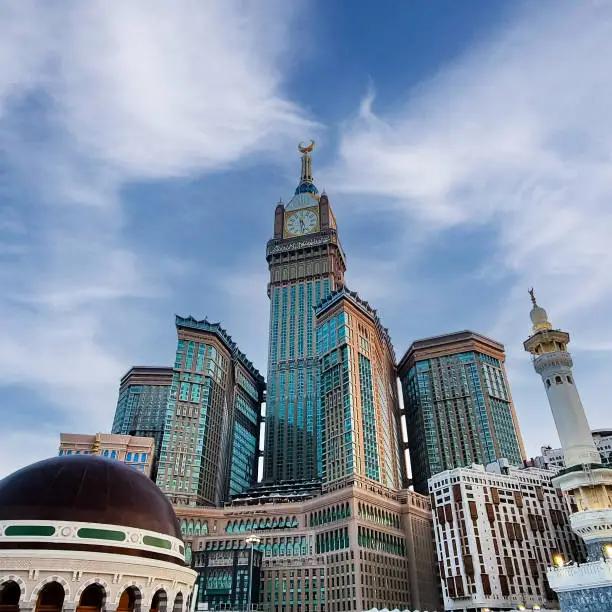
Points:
(466, 149)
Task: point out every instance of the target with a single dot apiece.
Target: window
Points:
(113, 454)
(106, 453)
(128, 457)
(143, 457)
(558, 380)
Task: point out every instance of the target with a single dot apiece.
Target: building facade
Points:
(211, 436)
(361, 435)
(135, 451)
(352, 549)
(306, 264)
(458, 406)
(141, 407)
(497, 531)
(225, 577)
(552, 458)
(585, 481)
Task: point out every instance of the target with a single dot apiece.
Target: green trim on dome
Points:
(101, 534)
(152, 541)
(29, 530)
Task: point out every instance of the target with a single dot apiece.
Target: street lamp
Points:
(558, 560)
(252, 541)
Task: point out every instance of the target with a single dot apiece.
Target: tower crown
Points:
(544, 339)
(538, 315)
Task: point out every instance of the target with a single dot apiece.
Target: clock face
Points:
(302, 222)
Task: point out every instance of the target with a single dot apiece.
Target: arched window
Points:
(10, 593)
(178, 603)
(548, 383)
(196, 528)
(558, 380)
(51, 598)
(569, 380)
(92, 599)
(130, 600)
(159, 601)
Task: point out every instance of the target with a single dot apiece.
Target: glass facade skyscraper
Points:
(306, 264)
(211, 435)
(361, 432)
(141, 407)
(458, 405)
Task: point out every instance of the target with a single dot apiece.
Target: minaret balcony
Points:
(593, 524)
(549, 363)
(592, 475)
(583, 576)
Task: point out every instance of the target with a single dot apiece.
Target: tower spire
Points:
(306, 183)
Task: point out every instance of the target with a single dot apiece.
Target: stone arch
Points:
(10, 595)
(159, 601)
(19, 581)
(51, 595)
(179, 602)
(129, 597)
(92, 597)
(104, 586)
(37, 589)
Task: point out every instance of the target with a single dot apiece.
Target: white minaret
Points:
(586, 484)
(554, 364)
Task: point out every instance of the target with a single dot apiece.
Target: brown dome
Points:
(87, 489)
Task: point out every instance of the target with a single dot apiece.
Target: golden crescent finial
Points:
(305, 150)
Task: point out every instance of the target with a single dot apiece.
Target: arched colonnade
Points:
(52, 595)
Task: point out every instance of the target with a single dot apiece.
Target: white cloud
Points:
(514, 137)
(94, 96)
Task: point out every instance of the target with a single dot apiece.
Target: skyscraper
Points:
(585, 482)
(211, 437)
(141, 407)
(458, 405)
(361, 433)
(306, 264)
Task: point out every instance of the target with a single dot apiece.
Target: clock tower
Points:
(306, 264)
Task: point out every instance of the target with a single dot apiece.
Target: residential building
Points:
(497, 531)
(306, 264)
(361, 437)
(141, 407)
(458, 406)
(211, 437)
(351, 549)
(585, 481)
(553, 457)
(136, 451)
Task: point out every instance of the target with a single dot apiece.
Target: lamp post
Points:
(252, 541)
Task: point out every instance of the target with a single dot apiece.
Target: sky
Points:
(466, 149)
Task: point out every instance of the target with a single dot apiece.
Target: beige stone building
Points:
(355, 548)
(134, 451)
(361, 434)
